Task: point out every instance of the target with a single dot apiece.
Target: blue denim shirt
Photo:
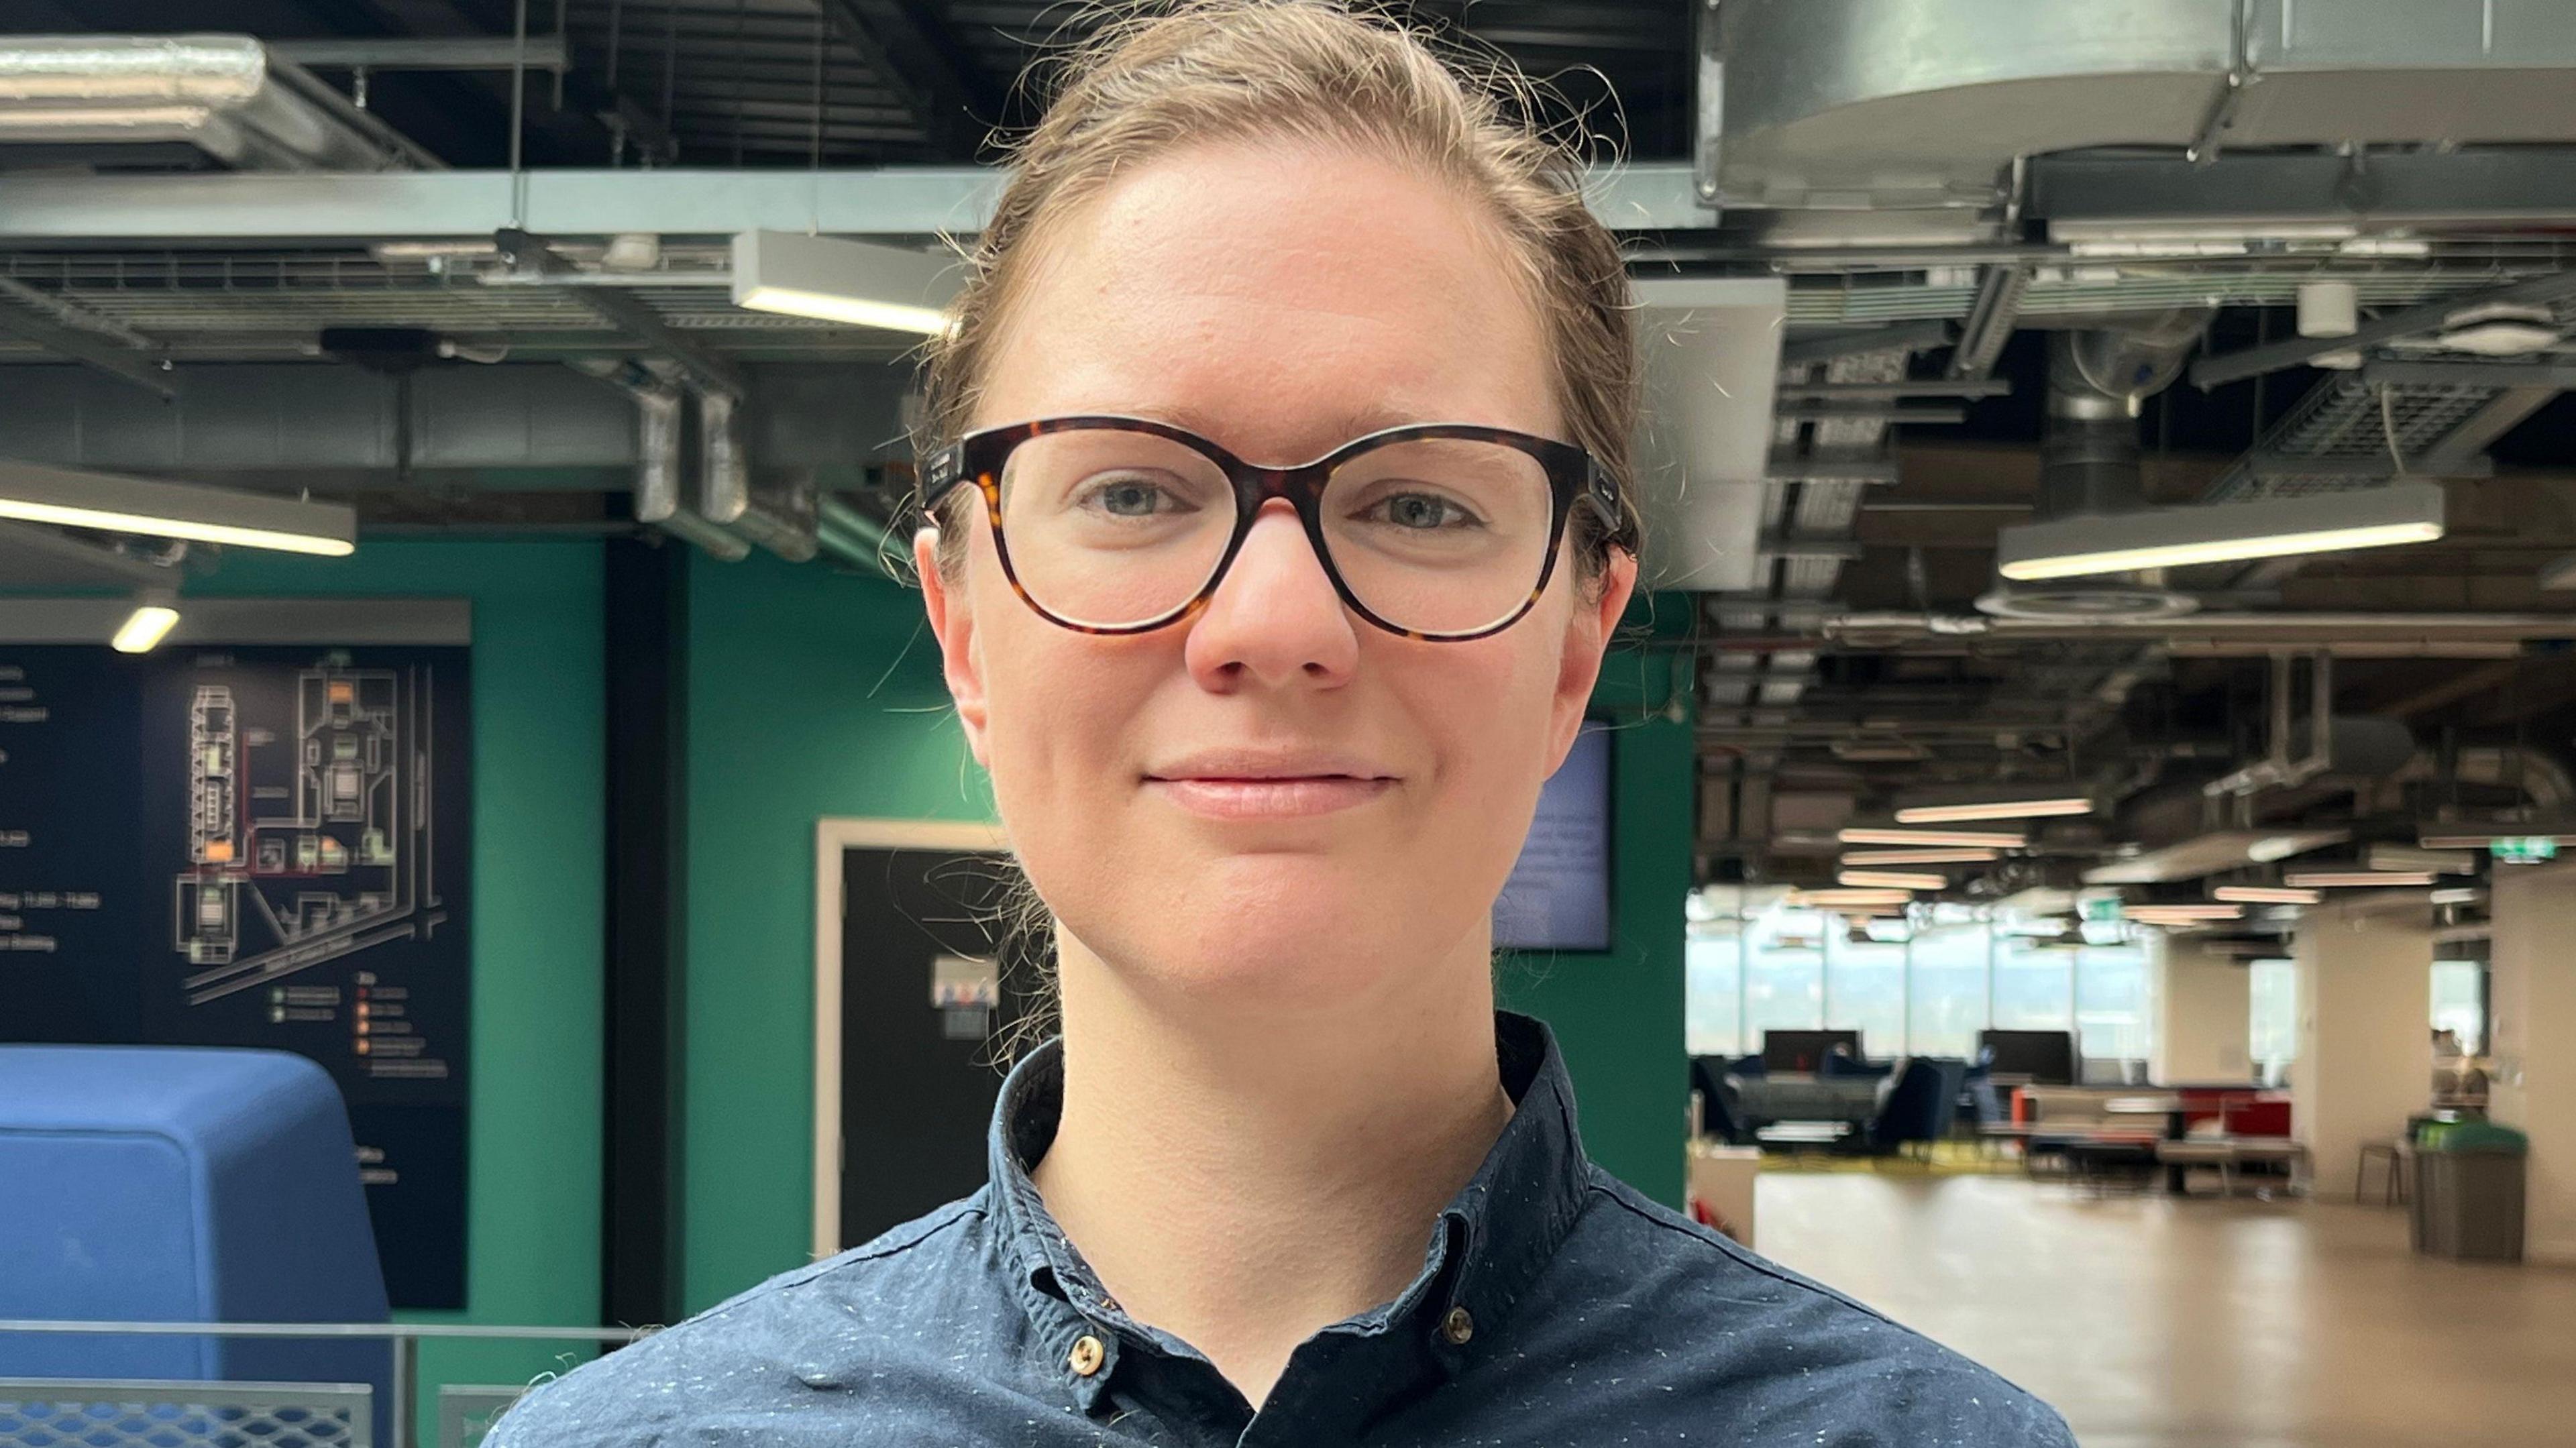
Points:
(1555, 1305)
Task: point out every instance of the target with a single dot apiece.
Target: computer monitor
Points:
(2046, 1057)
(1558, 896)
(1804, 1050)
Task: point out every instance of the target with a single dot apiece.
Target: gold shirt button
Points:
(1087, 1355)
(1458, 1326)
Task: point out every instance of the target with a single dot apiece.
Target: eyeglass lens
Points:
(1109, 528)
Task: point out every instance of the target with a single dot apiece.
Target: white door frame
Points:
(833, 839)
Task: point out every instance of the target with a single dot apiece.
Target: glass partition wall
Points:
(1923, 987)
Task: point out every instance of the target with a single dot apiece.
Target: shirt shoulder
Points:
(1802, 1356)
(765, 1349)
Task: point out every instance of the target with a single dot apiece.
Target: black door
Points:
(918, 1077)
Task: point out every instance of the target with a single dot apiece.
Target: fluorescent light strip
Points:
(2183, 912)
(1990, 839)
(2265, 895)
(1829, 899)
(2487, 840)
(865, 284)
(2001, 809)
(37, 493)
(1869, 858)
(833, 307)
(2362, 879)
(144, 629)
(2220, 533)
(1893, 880)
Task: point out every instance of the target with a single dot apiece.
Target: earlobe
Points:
(952, 622)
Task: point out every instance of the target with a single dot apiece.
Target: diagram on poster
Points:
(258, 846)
(310, 838)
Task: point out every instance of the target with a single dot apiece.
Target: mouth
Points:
(1252, 788)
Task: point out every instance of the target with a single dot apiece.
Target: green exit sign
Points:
(2525, 849)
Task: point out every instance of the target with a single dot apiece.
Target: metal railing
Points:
(286, 1415)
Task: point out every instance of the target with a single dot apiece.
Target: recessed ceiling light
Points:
(155, 613)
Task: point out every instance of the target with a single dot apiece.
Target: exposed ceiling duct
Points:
(1850, 110)
(2097, 378)
(226, 95)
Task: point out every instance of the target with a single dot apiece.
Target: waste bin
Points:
(2468, 1192)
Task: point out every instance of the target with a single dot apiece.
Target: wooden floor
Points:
(2156, 1323)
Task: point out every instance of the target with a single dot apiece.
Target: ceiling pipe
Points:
(227, 95)
(2278, 769)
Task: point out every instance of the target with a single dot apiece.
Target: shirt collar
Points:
(1493, 1239)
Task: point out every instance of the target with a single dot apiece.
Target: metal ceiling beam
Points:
(914, 56)
(901, 201)
(2400, 372)
(621, 309)
(2229, 367)
(544, 52)
(1902, 337)
(1895, 391)
(142, 369)
(2096, 194)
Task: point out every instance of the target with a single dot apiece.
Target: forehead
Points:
(1279, 300)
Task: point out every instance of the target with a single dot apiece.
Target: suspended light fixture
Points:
(2349, 879)
(1890, 835)
(1892, 880)
(2414, 858)
(2220, 533)
(1994, 802)
(2266, 895)
(1849, 898)
(858, 282)
(1868, 859)
(69, 497)
(2181, 914)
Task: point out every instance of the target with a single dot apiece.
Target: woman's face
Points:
(1273, 802)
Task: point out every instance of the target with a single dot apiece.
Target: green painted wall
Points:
(815, 695)
(1618, 1016)
(532, 1211)
(810, 695)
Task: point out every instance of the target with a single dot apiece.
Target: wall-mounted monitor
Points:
(1558, 896)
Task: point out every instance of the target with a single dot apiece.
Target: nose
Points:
(1275, 619)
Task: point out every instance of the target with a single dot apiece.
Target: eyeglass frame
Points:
(1573, 475)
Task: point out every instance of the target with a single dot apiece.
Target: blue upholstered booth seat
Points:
(168, 1184)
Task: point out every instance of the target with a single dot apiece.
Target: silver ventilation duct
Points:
(225, 94)
(2089, 465)
(1852, 107)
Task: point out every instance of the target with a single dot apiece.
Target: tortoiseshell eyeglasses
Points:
(1121, 525)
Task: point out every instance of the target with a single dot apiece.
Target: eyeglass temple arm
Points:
(940, 472)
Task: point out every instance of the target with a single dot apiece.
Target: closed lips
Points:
(1272, 787)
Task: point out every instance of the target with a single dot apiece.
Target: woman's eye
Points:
(1129, 498)
(1422, 512)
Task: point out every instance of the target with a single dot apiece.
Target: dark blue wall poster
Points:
(1558, 895)
(256, 846)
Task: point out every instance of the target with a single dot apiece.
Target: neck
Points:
(1242, 1178)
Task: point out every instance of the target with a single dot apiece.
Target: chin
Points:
(1283, 931)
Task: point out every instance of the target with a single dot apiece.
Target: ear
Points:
(952, 621)
(1587, 634)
